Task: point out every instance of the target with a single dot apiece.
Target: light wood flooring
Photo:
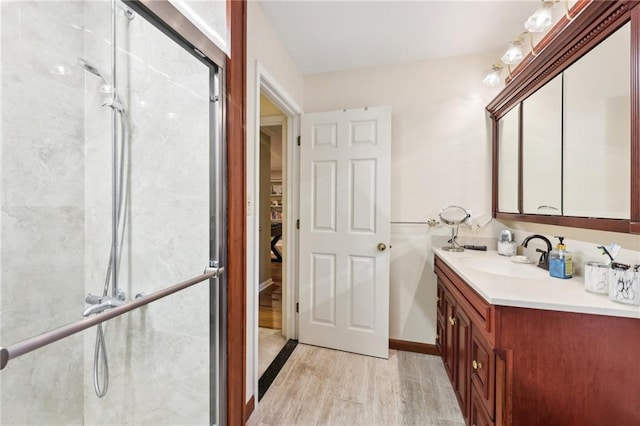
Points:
(270, 300)
(270, 343)
(319, 386)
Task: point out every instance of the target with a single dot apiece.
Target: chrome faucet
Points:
(543, 262)
(101, 304)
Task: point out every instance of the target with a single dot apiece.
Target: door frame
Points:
(267, 85)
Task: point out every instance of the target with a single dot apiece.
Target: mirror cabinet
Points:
(566, 131)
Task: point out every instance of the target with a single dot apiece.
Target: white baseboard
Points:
(266, 284)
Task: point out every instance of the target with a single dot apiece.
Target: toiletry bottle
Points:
(560, 261)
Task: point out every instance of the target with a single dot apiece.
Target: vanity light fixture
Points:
(493, 78)
(514, 53)
(542, 18)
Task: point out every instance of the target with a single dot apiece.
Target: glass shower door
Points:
(108, 124)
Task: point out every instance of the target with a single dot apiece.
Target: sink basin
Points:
(504, 268)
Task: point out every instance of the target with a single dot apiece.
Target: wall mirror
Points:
(542, 150)
(597, 130)
(508, 147)
(565, 152)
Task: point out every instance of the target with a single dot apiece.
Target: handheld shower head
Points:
(88, 66)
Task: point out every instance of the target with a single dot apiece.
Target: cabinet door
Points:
(440, 336)
(478, 416)
(463, 363)
(483, 370)
(503, 387)
(440, 303)
(449, 336)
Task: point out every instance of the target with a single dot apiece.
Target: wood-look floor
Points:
(270, 343)
(270, 300)
(321, 386)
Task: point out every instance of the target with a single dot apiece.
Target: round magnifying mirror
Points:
(453, 217)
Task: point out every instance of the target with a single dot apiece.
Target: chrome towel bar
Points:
(37, 342)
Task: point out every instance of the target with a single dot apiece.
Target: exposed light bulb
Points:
(492, 79)
(541, 19)
(514, 53)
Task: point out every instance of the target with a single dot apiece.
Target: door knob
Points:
(382, 246)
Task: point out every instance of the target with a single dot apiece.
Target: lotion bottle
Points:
(560, 261)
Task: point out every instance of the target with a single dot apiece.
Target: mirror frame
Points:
(565, 43)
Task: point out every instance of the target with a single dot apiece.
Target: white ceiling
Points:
(323, 36)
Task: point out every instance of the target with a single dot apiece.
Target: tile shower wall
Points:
(42, 208)
(56, 217)
(158, 355)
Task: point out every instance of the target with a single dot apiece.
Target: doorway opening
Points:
(272, 219)
(277, 116)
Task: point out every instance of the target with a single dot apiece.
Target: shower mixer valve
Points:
(102, 303)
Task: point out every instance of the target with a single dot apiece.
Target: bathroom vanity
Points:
(522, 348)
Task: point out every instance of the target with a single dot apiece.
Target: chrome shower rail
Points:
(37, 342)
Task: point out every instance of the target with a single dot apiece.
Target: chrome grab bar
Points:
(37, 342)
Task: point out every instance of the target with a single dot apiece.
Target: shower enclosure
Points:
(111, 175)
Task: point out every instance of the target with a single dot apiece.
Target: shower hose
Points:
(100, 358)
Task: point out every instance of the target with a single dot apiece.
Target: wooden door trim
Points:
(236, 215)
(248, 408)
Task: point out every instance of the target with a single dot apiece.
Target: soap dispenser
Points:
(560, 261)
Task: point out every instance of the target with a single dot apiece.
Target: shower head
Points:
(88, 66)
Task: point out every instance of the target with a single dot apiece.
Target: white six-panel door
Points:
(344, 230)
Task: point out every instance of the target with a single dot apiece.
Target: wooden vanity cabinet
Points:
(455, 350)
(525, 366)
(466, 353)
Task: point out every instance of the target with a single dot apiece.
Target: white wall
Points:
(264, 46)
(581, 242)
(440, 155)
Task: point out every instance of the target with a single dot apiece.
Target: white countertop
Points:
(538, 290)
